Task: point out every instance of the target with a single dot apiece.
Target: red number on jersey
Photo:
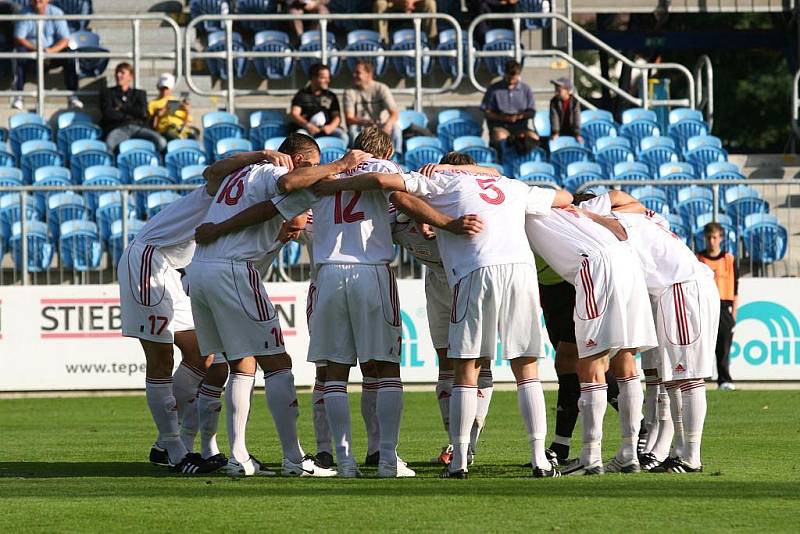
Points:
(163, 320)
(233, 190)
(348, 215)
(487, 184)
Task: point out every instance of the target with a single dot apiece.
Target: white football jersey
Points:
(406, 234)
(240, 190)
(563, 238)
(502, 205)
(171, 230)
(350, 226)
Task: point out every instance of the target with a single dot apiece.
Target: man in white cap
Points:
(169, 116)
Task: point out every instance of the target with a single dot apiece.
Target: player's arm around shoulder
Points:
(369, 181)
(305, 176)
(219, 170)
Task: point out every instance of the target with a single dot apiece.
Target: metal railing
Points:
(135, 55)
(796, 105)
(325, 53)
(704, 77)
(781, 195)
(518, 53)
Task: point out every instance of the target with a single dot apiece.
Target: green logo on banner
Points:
(782, 347)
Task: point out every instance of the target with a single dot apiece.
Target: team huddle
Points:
(609, 276)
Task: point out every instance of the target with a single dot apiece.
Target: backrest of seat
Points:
(20, 119)
(51, 171)
(499, 34)
(638, 114)
(219, 117)
(563, 141)
(657, 141)
(422, 140)
(681, 114)
(703, 140)
(150, 171)
(83, 145)
(71, 117)
(357, 36)
(589, 115)
(466, 141)
(271, 36)
(631, 167)
(30, 146)
(136, 144)
(609, 141)
(677, 167)
(258, 117)
(584, 167)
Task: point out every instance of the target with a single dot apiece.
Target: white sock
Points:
(531, 405)
(665, 429)
(630, 416)
(189, 424)
(651, 385)
(676, 412)
(337, 409)
(485, 389)
(463, 405)
(161, 402)
(444, 389)
(282, 404)
(592, 406)
(209, 405)
(693, 394)
(321, 429)
(237, 410)
(389, 408)
(185, 381)
(369, 399)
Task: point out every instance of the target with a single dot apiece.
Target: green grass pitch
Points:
(79, 464)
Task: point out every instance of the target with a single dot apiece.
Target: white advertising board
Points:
(68, 337)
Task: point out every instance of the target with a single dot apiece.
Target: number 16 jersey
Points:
(240, 190)
(501, 204)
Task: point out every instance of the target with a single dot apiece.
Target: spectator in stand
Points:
(508, 106)
(170, 116)
(302, 7)
(565, 111)
(406, 6)
(55, 37)
(315, 108)
(124, 111)
(371, 103)
(726, 275)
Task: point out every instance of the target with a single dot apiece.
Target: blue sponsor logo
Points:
(409, 356)
(782, 344)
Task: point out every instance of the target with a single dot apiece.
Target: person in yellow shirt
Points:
(169, 115)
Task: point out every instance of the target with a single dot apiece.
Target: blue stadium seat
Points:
(406, 66)
(765, 241)
(685, 123)
(680, 229)
(149, 175)
(257, 7)
(40, 246)
(597, 123)
(159, 200)
(498, 39)
(136, 144)
(609, 151)
(537, 172)
(675, 171)
(452, 129)
(273, 68)
(291, 252)
(366, 41)
(10, 176)
(217, 67)
(694, 200)
(423, 140)
(87, 153)
(267, 129)
(49, 176)
(63, 207)
(702, 150)
(631, 170)
(75, 7)
(216, 132)
(638, 123)
(582, 172)
(723, 170)
(99, 175)
(220, 117)
(421, 155)
(330, 141)
(409, 117)
(481, 154)
(30, 131)
(74, 132)
(730, 240)
(183, 156)
(115, 242)
(453, 113)
(7, 159)
(35, 154)
(198, 8)
(79, 246)
(448, 41)
(232, 145)
(656, 151)
(273, 143)
(66, 118)
(702, 141)
(109, 209)
(86, 41)
(512, 161)
(541, 123)
(563, 141)
(741, 201)
(11, 211)
(466, 141)
(311, 41)
(331, 153)
(652, 198)
(135, 156)
(3, 134)
(564, 154)
(192, 174)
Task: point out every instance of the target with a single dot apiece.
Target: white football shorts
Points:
(438, 300)
(498, 303)
(153, 301)
(612, 306)
(355, 315)
(687, 321)
(651, 358)
(232, 311)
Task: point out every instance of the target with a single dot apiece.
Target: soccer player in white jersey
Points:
(612, 320)
(157, 311)
(494, 291)
(233, 312)
(686, 304)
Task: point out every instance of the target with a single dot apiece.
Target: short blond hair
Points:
(375, 141)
